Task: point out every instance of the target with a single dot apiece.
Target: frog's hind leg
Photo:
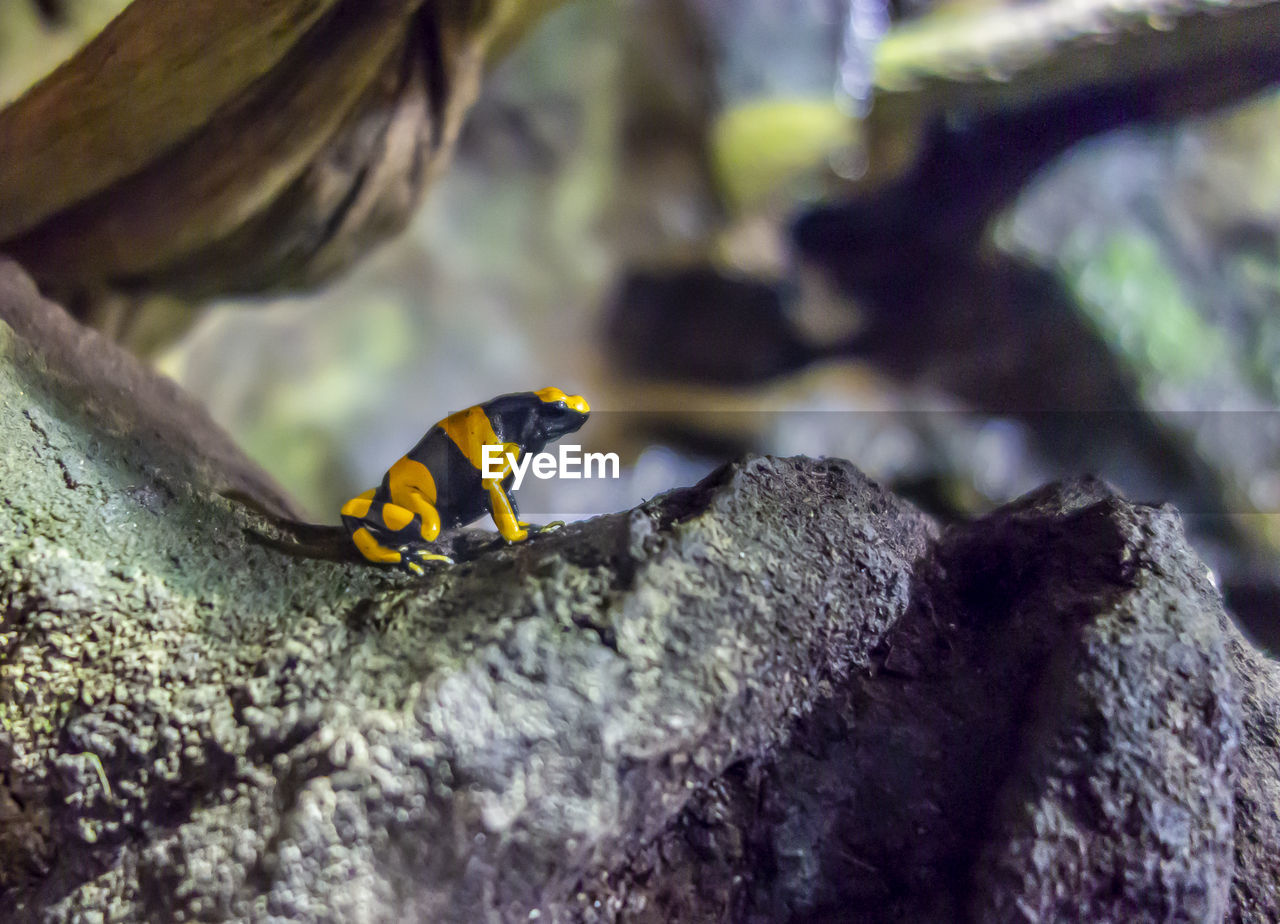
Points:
(386, 547)
(405, 532)
(365, 528)
(387, 534)
(370, 546)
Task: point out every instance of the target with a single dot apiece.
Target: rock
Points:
(1074, 746)
(1123, 315)
(1159, 239)
(97, 382)
(199, 724)
(777, 694)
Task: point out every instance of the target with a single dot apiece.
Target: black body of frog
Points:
(439, 483)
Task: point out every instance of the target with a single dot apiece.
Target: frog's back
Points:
(460, 494)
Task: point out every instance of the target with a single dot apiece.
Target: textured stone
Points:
(1069, 744)
(779, 694)
(200, 723)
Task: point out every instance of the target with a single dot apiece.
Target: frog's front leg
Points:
(504, 512)
(506, 517)
(502, 505)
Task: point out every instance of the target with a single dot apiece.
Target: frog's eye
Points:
(562, 410)
(557, 398)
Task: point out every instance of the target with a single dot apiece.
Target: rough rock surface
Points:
(1052, 732)
(97, 381)
(198, 724)
(778, 695)
(1255, 891)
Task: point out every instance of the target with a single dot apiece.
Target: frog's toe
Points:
(535, 528)
(412, 559)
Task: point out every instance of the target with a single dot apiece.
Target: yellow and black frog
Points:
(441, 482)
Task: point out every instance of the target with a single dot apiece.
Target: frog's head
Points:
(559, 414)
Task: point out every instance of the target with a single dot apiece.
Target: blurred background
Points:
(970, 246)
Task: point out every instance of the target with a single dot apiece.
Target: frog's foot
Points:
(548, 528)
(413, 559)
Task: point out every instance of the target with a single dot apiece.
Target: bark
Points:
(237, 145)
(1154, 58)
(1006, 57)
(778, 694)
(250, 146)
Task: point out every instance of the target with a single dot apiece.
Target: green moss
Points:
(37, 724)
(1134, 297)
